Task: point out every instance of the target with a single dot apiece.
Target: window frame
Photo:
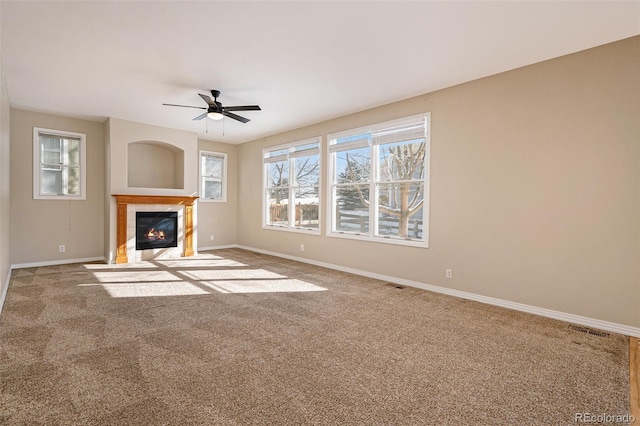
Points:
(374, 181)
(37, 164)
(290, 148)
(224, 178)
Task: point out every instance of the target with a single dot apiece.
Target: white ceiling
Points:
(302, 62)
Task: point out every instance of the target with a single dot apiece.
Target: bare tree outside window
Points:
(381, 174)
(404, 166)
(293, 179)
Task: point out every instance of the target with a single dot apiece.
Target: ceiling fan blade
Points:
(242, 108)
(207, 99)
(235, 117)
(201, 116)
(185, 106)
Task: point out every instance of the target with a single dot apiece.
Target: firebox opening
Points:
(156, 230)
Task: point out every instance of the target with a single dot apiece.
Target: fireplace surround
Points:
(125, 202)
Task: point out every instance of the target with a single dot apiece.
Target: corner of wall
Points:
(5, 199)
(108, 222)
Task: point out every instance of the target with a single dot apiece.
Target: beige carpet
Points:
(234, 338)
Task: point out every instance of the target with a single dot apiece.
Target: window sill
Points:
(60, 197)
(300, 230)
(381, 240)
(212, 200)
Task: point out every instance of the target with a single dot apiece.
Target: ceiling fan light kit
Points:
(216, 111)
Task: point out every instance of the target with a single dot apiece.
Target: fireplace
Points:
(126, 207)
(156, 230)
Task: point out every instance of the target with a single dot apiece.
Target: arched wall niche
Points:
(154, 164)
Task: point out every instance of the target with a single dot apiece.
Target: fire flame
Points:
(154, 234)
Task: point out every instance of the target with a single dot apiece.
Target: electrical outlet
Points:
(448, 273)
(212, 237)
(61, 248)
(301, 247)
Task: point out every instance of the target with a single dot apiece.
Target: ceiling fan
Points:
(216, 111)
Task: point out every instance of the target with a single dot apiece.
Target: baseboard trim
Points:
(58, 262)
(228, 246)
(3, 296)
(549, 313)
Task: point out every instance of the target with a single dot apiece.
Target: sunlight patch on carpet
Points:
(181, 282)
(135, 276)
(155, 289)
(262, 286)
(120, 266)
(231, 274)
(200, 263)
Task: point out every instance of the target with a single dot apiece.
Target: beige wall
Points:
(108, 255)
(5, 228)
(38, 227)
(535, 188)
(219, 218)
(155, 166)
(123, 132)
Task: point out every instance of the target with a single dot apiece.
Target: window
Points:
(379, 182)
(213, 176)
(59, 160)
(292, 178)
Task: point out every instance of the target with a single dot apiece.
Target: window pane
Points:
(212, 166)
(413, 130)
(71, 154)
(50, 143)
(307, 170)
(362, 139)
(61, 157)
(60, 181)
(291, 176)
(309, 146)
(402, 161)
(352, 211)
(277, 203)
(50, 150)
(212, 188)
(276, 153)
(390, 158)
(278, 174)
(51, 181)
(72, 181)
(60, 151)
(400, 210)
(353, 165)
(306, 202)
(51, 157)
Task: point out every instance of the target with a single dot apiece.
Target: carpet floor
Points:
(232, 337)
